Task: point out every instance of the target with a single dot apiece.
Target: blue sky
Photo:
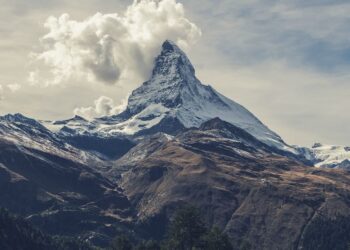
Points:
(314, 34)
(286, 61)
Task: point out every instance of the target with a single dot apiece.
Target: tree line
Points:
(187, 231)
(17, 233)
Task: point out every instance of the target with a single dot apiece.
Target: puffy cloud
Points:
(109, 47)
(103, 106)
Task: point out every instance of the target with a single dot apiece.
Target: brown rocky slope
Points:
(244, 187)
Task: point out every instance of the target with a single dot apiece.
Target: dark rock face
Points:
(171, 56)
(112, 147)
(168, 125)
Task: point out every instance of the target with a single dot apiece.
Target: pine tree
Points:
(186, 230)
(216, 240)
(148, 245)
(121, 243)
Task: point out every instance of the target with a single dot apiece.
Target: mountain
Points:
(79, 133)
(173, 99)
(26, 133)
(57, 186)
(178, 142)
(327, 156)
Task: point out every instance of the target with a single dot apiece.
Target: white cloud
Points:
(4, 89)
(33, 77)
(103, 106)
(110, 47)
(14, 87)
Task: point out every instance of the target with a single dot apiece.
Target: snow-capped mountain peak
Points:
(171, 73)
(174, 95)
(174, 88)
(172, 60)
(328, 156)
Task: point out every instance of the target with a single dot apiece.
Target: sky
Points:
(286, 61)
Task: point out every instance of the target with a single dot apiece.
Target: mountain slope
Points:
(240, 184)
(25, 133)
(56, 186)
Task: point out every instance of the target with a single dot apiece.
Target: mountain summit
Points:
(174, 90)
(173, 98)
(172, 73)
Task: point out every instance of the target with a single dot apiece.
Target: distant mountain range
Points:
(177, 142)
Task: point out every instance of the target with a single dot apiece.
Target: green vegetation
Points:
(148, 245)
(215, 239)
(324, 234)
(186, 232)
(121, 243)
(16, 233)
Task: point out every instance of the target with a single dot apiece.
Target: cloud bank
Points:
(103, 106)
(109, 47)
